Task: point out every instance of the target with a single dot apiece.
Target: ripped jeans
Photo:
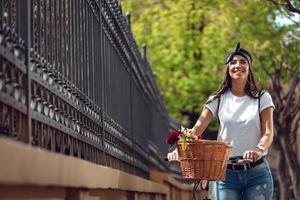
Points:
(253, 184)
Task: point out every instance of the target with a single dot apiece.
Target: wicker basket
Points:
(204, 159)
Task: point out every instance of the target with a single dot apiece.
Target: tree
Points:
(189, 40)
(285, 78)
(286, 117)
(173, 32)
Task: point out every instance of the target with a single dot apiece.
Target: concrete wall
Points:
(31, 173)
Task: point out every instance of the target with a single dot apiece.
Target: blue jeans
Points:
(253, 184)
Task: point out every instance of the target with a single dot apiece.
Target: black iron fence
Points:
(72, 80)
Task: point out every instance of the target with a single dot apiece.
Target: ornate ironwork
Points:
(73, 81)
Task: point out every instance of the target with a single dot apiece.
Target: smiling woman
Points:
(245, 116)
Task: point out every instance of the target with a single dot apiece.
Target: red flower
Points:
(172, 138)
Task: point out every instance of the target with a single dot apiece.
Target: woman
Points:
(246, 121)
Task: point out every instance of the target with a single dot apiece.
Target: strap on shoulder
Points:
(218, 106)
(260, 93)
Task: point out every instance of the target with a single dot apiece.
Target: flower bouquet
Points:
(200, 159)
(182, 137)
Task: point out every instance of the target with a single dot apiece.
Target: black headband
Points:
(239, 51)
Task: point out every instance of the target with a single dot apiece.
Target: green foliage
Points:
(183, 142)
(188, 41)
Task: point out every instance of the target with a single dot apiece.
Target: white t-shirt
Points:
(239, 120)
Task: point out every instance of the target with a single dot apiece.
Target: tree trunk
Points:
(290, 160)
(282, 184)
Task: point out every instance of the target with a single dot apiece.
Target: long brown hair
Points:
(250, 88)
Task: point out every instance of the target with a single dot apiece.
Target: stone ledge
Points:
(24, 164)
(163, 178)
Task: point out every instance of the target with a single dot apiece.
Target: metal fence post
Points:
(24, 29)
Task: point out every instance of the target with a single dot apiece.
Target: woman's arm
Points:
(267, 128)
(202, 122)
(267, 135)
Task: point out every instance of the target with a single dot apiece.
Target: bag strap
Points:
(218, 106)
(260, 93)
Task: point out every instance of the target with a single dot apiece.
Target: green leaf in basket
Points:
(184, 146)
(183, 141)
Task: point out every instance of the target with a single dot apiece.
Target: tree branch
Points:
(276, 3)
(273, 61)
(277, 89)
(287, 68)
(283, 63)
(295, 128)
(260, 58)
(297, 23)
(290, 94)
(297, 108)
(289, 6)
(276, 79)
(294, 37)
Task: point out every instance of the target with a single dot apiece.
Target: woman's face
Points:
(239, 68)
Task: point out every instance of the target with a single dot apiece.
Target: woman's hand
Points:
(173, 156)
(253, 155)
(191, 133)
